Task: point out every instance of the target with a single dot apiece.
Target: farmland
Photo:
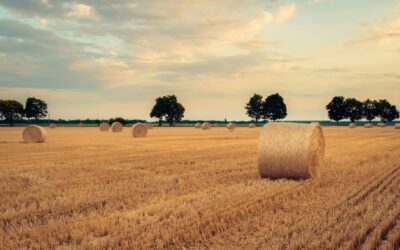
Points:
(188, 188)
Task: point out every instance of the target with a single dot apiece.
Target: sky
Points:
(103, 58)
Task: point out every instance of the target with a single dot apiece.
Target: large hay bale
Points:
(206, 126)
(139, 130)
(104, 127)
(34, 134)
(368, 125)
(231, 126)
(397, 126)
(117, 127)
(198, 125)
(252, 125)
(290, 150)
(52, 126)
(149, 125)
(353, 125)
(381, 125)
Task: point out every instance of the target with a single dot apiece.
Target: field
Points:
(187, 188)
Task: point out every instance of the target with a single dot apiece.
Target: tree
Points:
(386, 111)
(118, 119)
(255, 107)
(370, 110)
(35, 108)
(336, 109)
(274, 107)
(168, 107)
(353, 109)
(11, 110)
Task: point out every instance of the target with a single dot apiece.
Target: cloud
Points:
(44, 23)
(81, 10)
(285, 12)
(385, 34)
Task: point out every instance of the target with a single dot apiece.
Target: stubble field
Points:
(187, 188)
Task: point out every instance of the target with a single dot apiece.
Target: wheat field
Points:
(187, 188)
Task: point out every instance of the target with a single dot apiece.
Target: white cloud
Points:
(81, 10)
(285, 12)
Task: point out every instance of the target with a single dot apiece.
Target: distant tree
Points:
(35, 108)
(169, 108)
(370, 110)
(11, 110)
(118, 119)
(386, 111)
(255, 107)
(97, 121)
(353, 109)
(274, 108)
(336, 109)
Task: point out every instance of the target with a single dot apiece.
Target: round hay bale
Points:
(252, 125)
(117, 127)
(52, 126)
(397, 126)
(206, 126)
(353, 125)
(149, 125)
(368, 125)
(381, 125)
(139, 130)
(34, 134)
(197, 125)
(290, 150)
(104, 127)
(231, 126)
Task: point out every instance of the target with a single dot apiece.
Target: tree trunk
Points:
(337, 123)
(256, 122)
(160, 122)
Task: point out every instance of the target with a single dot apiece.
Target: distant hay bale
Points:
(290, 150)
(149, 125)
(139, 130)
(34, 134)
(381, 125)
(206, 126)
(368, 125)
(198, 125)
(81, 124)
(353, 125)
(52, 126)
(104, 127)
(117, 127)
(397, 126)
(252, 125)
(231, 126)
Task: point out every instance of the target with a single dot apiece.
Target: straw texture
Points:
(231, 126)
(52, 125)
(290, 150)
(117, 127)
(139, 130)
(104, 127)
(353, 125)
(198, 125)
(206, 126)
(34, 134)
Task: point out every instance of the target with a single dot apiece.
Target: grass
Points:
(184, 187)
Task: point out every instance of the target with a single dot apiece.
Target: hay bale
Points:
(397, 126)
(381, 125)
(290, 150)
(353, 125)
(231, 126)
(52, 126)
(149, 125)
(139, 130)
(34, 134)
(252, 125)
(368, 125)
(117, 127)
(198, 125)
(104, 127)
(206, 126)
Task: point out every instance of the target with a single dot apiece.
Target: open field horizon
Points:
(189, 188)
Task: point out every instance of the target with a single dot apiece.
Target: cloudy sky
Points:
(104, 58)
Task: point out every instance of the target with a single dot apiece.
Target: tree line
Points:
(272, 108)
(340, 108)
(12, 110)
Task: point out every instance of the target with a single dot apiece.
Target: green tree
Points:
(11, 110)
(370, 110)
(255, 107)
(169, 108)
(336, 109)
(274, 108)
(353, 109)
(35, 108)
(386, 111)
(118, 119)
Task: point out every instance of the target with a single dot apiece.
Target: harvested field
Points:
(184, 188)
